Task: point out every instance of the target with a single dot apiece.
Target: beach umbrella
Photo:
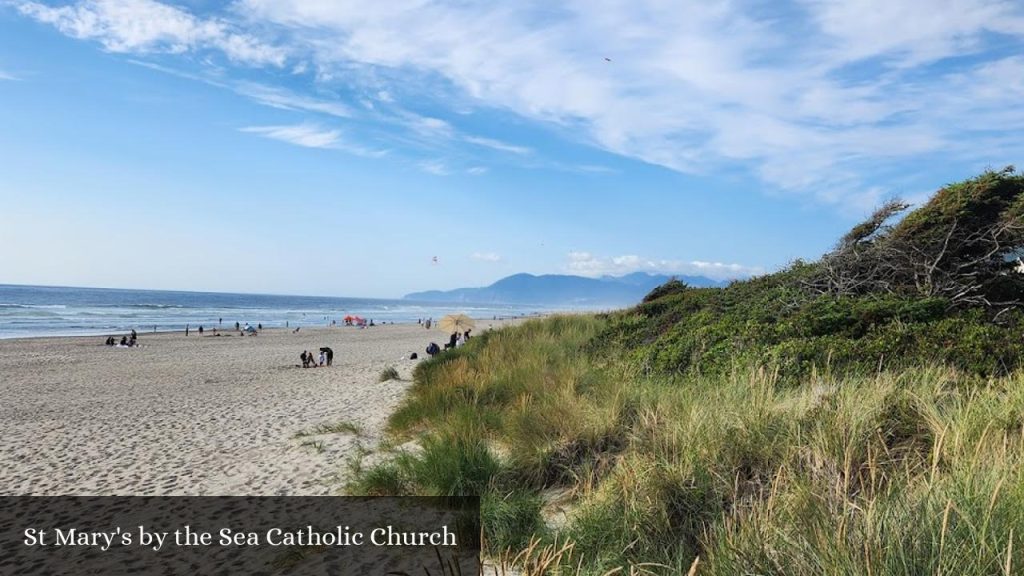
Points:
(348, 318)
(456, 323)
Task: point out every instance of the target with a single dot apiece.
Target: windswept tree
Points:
(963, 246)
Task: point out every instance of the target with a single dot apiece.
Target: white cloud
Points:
(693, 86)
(150, 26)
(912, 31)
(486, 256)
(814, 97)
(435, 167)
(477, 170)
(307, 135)
(288, 100)
(430, 126)
(7, 76)
(587, 264)
(498, 145)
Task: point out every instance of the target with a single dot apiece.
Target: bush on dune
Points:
(772, 426)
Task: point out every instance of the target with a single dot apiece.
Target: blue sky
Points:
(337, 147)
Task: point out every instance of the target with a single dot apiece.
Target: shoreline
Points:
(231, 331)
(193, 332)
(199, 415)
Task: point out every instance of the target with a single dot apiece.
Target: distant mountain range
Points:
(557, 289)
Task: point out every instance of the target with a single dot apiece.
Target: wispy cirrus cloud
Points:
(140, 26)
(7, 76)
(285, 99)
(485, 257)
(435, 167)
(810, 96)
(587, 264)
(498, 145)
(311, 135)
(307, 135)
(816, 98)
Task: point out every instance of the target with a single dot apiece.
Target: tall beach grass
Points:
(911, 471)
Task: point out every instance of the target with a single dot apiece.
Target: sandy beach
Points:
(197, 415)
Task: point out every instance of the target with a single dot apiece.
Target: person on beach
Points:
(305, 359)
(134, 335)
(330, 354)
(433, 349)
(186, 329)
(200, 329)
(466, 335)
(124, 341)
(259, 326)
(323, 358)
(237, 326)
(452, 341)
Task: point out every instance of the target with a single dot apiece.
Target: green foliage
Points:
(673, 286)
(900, 472)
(765, 428)
(973, 204)
(511, 520)
(389, 373)
(961, 245)
(772, 320)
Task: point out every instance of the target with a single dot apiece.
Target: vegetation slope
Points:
(862, 414)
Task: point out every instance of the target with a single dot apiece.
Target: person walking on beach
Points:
(200, 329)
(186, 329)
(220, 321)
(237, 326)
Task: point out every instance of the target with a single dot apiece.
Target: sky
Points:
(367, 148)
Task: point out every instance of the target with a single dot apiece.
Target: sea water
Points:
(29, 311)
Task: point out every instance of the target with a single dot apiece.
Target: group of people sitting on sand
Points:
(456, 340)
(126, 342)
(310, 361)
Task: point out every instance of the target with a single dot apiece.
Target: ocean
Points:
(31, 311)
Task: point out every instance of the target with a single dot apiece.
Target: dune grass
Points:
(915, 471)
(339, 427)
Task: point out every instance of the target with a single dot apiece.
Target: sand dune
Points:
(197, 415)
